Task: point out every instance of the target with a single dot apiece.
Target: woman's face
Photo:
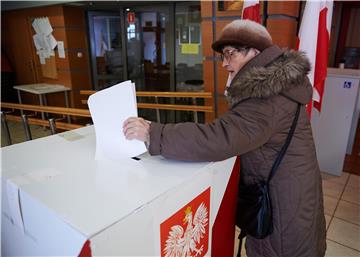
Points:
(233, 59)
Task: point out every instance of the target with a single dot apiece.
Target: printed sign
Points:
(347, 84)
(190, 48)
(186, 233)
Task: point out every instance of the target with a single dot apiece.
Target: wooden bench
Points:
(159, 106)
(53, 124)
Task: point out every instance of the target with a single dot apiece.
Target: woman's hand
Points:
(137, 128)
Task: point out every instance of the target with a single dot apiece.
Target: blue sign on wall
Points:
(347, 84)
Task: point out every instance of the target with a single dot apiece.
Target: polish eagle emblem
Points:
(186, 243)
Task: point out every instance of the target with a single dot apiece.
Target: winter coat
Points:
(263, 98)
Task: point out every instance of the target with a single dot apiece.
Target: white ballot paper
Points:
(109, 109)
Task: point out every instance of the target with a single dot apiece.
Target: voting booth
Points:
(58, 200)
(335, 127)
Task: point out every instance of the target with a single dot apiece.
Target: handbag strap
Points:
(285, 146)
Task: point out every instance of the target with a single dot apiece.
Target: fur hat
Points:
(243, 33)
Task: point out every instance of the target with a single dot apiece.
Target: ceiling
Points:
(90, 5)
(14, 5)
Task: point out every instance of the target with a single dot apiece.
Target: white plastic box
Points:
(57, 200)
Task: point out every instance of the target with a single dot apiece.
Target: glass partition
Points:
(188, 55)
(106, 48)
(148, 43)
(157, 47)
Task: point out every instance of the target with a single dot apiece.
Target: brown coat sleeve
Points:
(242, 129)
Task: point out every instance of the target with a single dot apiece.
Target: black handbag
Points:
(254, 211)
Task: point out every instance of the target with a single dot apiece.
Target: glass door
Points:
(106, 48)
(148, 41)
(157, 46)
(188, 56)
(148, 53)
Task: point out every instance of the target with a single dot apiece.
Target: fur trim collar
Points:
(270, 73)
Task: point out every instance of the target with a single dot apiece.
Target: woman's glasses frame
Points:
(229, 54)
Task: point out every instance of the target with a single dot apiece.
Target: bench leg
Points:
(27, 131)
(41, 104)
(5, 128)
(52, 126)
(20, 100)
(67, 105)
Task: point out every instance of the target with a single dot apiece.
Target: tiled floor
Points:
(341, 202)
(342, 208)
(342, 213)
(18, 135)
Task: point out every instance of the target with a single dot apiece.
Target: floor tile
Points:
(348, 211)
(336, 179)
(337, 250)
(332, 189)
(330, 205)
(354, 181)
(344, 233)
(17, 133)
(351, 194)
(328, 219)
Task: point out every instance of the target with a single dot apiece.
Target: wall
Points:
(69, 26)
(282, 22)
(348, 35)
(76, 45)
(353, 38)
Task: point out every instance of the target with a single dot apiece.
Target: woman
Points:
(266, 85)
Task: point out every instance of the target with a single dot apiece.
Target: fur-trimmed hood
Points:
(270, 73)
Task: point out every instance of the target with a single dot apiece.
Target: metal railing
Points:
(54, 124)
(176, 107)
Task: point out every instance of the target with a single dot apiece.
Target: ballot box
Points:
(57, 200)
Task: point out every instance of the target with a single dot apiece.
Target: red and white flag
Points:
(251, 10)
(314, 37)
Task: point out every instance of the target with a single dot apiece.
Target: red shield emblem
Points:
(186, 233)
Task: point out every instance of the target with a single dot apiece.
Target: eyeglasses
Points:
(228, 55)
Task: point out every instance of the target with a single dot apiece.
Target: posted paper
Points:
(44, 41)
(109, 109)
(61, 50)
(51, 41)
